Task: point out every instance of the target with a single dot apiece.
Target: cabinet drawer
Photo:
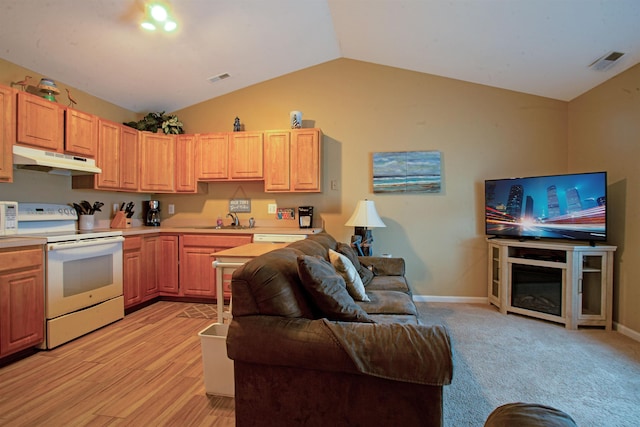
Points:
(131, 243)
(21, 258)
(218, 241)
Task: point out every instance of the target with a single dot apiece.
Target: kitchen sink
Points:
(224, 227)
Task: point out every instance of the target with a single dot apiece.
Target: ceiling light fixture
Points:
(157, 16)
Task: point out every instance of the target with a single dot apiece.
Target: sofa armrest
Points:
(384, 266)
(411, 353)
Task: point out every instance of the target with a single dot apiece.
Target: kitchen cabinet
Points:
(167, 264)
(81, 133)
(197, 275)
(185, 164)
(40, 123)
(212, 156)
(7, 132)
(157, 162)
(132, 270)
(150, 267)
(117, 156)
(21, 299)
(292, 160)
(245, 155)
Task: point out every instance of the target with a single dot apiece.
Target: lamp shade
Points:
(365, 215)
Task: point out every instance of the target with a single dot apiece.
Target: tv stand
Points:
(564, 282)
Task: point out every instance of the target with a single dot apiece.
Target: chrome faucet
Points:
(234, 217)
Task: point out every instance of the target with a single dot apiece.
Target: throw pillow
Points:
(328, 291)
(365, 274)
(351, 277)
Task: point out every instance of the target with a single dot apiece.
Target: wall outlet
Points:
(172, 209)
(272, 208)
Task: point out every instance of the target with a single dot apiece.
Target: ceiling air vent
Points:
(219, 77)
(607, 61)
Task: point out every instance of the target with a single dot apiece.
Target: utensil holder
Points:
(86, 222)
(120, 220)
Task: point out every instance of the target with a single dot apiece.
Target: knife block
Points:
(120, 220)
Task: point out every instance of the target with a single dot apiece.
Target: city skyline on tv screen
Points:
(569, 206)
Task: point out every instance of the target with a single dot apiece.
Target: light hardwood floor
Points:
(144, 370)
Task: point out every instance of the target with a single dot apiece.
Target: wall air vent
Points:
(219, 77)
(607, 61)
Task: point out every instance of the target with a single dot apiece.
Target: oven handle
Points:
(84, 243)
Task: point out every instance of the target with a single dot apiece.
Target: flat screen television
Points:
(571, 206)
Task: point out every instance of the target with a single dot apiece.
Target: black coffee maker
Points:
(305, 216)
(152, 215)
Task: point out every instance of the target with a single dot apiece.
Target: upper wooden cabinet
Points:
(212, 156)
(185, 163)
(277, 160)
(117, 156)
(157, 162)
(7, 132)
(245, 155)
(293, 161)
(81, 133)
(40, 123)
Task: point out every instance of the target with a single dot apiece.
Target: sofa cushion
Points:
(310, 247)
(345, 268)
(270, 285)
(388, 302)
(365, 274)
(328, 290)
(389, 283)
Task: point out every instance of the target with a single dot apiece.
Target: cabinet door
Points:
(197, 276)
(81, 133)
(305, 160)
(185, 163)
(167, 264)
(212, 156)
(7, 132)
(592, 286)
(276, 161)
(40, 123)
(150, 250)
(108, 158)
(157, 162)
(128, 164)
(245, 155)
(494, 281)
(132, 271)
(21, 300)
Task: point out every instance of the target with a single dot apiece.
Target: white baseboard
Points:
(634, 335)
(465, 300)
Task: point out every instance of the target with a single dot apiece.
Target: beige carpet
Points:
(591, 374)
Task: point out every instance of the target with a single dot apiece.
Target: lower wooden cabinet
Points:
(197, 276)
(173, 265)
(21, 299)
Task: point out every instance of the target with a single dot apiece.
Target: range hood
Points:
(51, 162)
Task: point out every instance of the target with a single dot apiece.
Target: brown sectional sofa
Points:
(305, 353)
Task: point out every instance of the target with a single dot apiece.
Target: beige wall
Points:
(604, 134)
(363, 108)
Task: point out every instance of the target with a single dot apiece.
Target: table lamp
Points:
(364, 217)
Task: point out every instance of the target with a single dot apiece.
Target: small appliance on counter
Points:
(305, 216)
(152, 215)
(8, 218)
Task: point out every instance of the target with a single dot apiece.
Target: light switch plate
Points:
(272, 208)
(172, 209)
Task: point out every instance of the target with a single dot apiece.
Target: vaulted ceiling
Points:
(540, 47)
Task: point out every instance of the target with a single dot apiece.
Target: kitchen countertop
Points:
(16, 242)
(200, 230)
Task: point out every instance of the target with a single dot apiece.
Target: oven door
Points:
(83, 273)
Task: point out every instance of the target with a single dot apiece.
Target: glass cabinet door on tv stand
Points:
(564, 282)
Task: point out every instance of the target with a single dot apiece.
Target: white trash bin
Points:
(217, 367)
